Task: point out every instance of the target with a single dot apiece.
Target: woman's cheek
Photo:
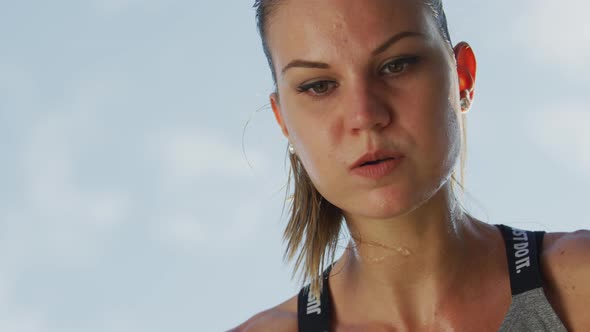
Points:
(319, 160)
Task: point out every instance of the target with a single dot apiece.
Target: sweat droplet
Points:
(404, 251)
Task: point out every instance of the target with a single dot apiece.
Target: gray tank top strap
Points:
(530, 310)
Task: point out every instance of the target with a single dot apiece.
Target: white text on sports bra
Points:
(313, 305)
(521, 249)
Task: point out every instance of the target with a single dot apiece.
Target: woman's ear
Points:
(274, 103)
(466, 69)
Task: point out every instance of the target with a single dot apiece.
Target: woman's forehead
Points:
(317, 29)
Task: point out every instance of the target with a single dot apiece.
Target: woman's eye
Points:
(400, 65)
(317, 88)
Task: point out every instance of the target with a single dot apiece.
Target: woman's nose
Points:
(366, 110)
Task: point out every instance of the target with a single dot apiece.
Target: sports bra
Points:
(529, 311)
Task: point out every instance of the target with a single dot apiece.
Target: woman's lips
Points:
(377, 170)
(374, 156)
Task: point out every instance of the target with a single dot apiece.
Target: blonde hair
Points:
(313, 228)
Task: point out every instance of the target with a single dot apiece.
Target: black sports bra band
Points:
(523, 255)
(314, 315)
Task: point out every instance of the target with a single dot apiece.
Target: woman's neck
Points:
(409, 265)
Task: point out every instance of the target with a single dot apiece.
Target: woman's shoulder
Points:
(282, 318)
(567, 253)
(566, 267)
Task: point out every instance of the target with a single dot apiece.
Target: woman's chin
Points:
(384, 204)
(383, 208)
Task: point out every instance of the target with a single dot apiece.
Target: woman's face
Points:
(345, 93)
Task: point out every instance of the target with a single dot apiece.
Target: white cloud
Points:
(561, 130)
(195, 155)
(107, 210)
(190, 233)
(556, 32)
(49, 170)
(62, 220)
(200, 154)
(183, 232)
(23, 323)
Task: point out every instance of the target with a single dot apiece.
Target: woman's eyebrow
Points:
(305, 64)
(382, 48)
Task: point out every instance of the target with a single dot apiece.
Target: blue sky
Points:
(127, 203)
